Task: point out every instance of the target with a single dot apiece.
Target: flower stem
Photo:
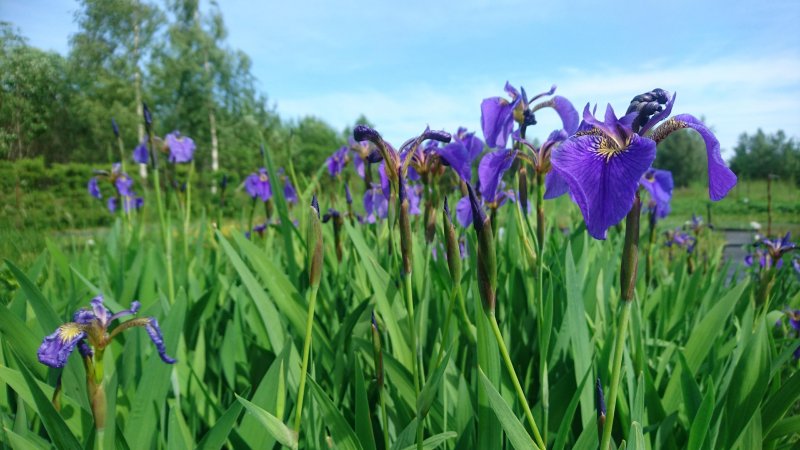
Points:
(543, 343)
(385, 419)
(306, 349)
(517, 387)
(628, 269)
(414, 364)
(619, 346)
(165, 234)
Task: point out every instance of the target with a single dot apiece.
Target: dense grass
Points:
(704, 365)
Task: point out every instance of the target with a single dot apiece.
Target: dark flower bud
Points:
(314, 243)
(486, 258)
(646, 105)
(115, 127)
(478, 215)
(436, 135)
(365, 133)
(377, 352)
(523, 189)
(224, 182)
(347, 194)
(261, 150)
(451, 245)
(374, 157)
(600, 404)
(405, 226)
(148, 118)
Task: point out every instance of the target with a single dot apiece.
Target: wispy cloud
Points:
(735, 94)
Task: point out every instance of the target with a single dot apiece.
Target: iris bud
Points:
(314, 240)
(451, 245)
(486, 259)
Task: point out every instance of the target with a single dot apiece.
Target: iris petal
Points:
(720, 178)
(497, 120)
(491, 170)
(554, 185)
(603, 186)
(567, 113)
(57, 347)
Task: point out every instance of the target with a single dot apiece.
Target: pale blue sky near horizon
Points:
(411, 64)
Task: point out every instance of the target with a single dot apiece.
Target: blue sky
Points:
(416, 63)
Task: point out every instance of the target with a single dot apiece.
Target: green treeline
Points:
(171, 55)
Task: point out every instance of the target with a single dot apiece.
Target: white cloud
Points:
(734, 94)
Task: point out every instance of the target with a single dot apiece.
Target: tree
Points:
(34, 98)
(762, 154)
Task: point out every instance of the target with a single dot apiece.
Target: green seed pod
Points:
(314, 242)
(486, 259)
(451, 245)
(405, 230)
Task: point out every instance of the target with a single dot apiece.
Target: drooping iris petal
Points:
(464, 212)
(375, 204)
(124, 185)
(337, 161)
(56, 348)
(720, 178)
(659, 185)
(603, 180)
(386, 187)
(554, 185)
(140, 153)
(289, 191)
(154, 332)
(497, 120)
(358, 163)
(457, 156)
(181, 148)
(412, 194)
(257, 185)
(567, 113)
(94, 189)
(112, 204)
(491, 170)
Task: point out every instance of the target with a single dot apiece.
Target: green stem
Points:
(540, 232)
(619, 346)
(470, 328)
(306, 349)
(446, 329)
(385, 419)
(517, 387)
(187, 213)
(165, 235)
(414, 363)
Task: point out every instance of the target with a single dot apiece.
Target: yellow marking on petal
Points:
(608, 148)
(69, 331)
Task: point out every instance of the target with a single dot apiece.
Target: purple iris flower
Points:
(498, 114)
(769, 252)
(460, 153)
(678, 238)
(124, 185)
(181, 148)
(603, 165)
(257, 185)
(94, 189)
(376, 204)
(289, 191)
(659, 185)
(140, 153)
(348, 197)
(89, 330)
(337, 161)
(491, 170)
(129, 203)
(464, 208)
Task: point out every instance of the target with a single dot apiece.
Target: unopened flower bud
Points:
(600, 404)
(405, 227)
(115, 127)
(451, 245)
(314, 242)
(486, 258)
(148, 118)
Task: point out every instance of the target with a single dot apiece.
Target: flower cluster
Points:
(123, 188)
